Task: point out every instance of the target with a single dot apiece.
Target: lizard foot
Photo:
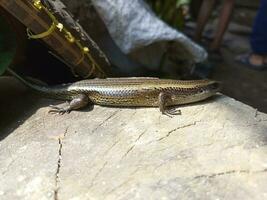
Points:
(59, 110)
(172, 112)
(76, 103)
(164, 99)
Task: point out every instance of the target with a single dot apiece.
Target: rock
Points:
(214, 150)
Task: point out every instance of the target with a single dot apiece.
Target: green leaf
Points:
(7, 45)
(182, 2)
(169, 11)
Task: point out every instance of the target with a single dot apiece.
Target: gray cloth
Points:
(133, 26)
(135, 38)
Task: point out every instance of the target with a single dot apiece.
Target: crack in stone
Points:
(214, 175)
(170, 132)
(104, 121)
(141, 135)
(176, 158)
(119, 186)
(97, 174)
(111, 147)
(57, 179)
(128, 151)
(8, 166)
(132, 147)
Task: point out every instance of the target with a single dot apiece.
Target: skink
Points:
(127, 92)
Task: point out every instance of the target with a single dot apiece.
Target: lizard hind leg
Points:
(76, 103)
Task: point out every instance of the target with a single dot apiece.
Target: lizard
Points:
(127, 92)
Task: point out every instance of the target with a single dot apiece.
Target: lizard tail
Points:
(38, 88)
(52, 92)
(21, 79)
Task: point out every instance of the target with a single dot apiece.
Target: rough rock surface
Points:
(214, 150)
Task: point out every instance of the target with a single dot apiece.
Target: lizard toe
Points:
(58, 110)
(173, 111)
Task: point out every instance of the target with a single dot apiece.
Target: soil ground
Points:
(240, 82)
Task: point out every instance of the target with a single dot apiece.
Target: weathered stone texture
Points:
(214, 150)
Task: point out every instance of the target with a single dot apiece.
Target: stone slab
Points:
(214, 150)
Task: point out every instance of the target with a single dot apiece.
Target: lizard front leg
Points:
(76, 103)
(164, 99)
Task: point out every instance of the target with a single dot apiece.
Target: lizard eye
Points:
(201, 91)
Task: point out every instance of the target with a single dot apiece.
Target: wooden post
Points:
(81, 53)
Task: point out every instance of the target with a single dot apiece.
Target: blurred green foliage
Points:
(170, 11)
(7, 45)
